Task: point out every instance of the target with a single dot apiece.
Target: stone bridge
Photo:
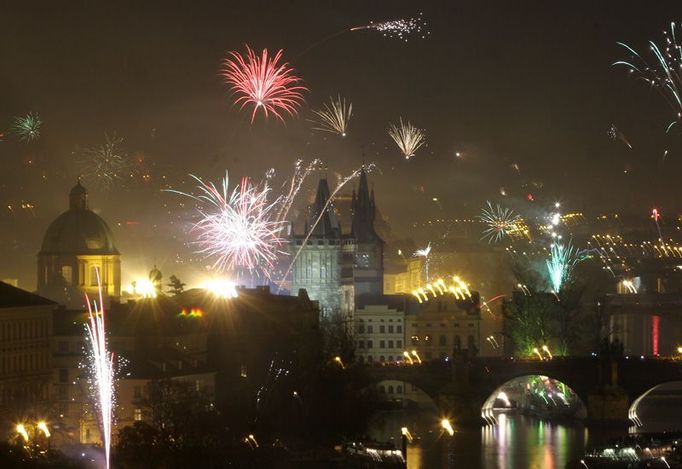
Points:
(606, 388)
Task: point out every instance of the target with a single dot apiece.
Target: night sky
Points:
(529, 83)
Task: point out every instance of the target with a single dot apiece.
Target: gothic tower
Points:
(368, 268)
(318, 267)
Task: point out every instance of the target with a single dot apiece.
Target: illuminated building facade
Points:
(76, 245)
(25, 361)
(335, 268)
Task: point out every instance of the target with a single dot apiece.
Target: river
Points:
(516, 442)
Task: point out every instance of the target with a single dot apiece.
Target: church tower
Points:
(77, 245)
(368, 268)
(318, 267)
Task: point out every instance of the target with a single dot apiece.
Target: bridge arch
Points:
(667, 388)
(406, 393)
(553, 391)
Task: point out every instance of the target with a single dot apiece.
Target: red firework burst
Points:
(263, 82)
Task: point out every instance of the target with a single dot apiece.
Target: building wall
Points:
(79, 277)
(25, 363)
(441, 329)
(379, 334)
(318, 271)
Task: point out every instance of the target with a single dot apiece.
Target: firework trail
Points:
(27, 128)
(408, 138)
(401, 28)
(294, 184)
(334, 117)
(665, 75)
(560, 264)
(425, 254)
(106, 163)
(342, 183)
(101, 366)
(501, 222)
(614, 134)
(263, 83)
(237, 229)
(656, 216)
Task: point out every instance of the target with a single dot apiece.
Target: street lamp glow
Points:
(21, 430)
(338, 360)
(679, 350)
(221, 288)
(416, 355)
(546, 350)
(145, 288)
(447, 426)
(408, 358)
(42, 426)
(537, 352)
(406, 433)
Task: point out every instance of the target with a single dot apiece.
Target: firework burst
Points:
(665, 72)
(105, 164)
(238, 230)
(501, 222)
(264, 83)
(401, 28)
(408, 138)
(27, 128)
(560, 264)
(334, 117)
(101, 367)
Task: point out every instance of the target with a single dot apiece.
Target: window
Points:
(399, 389)
(370, 359)
(370, 329)
(390, 329)
(382, 329)
(382, 359)
(399, 344)
(390, 344)
(370, 344)
(361, 329)
(390, 358)
(67, 275)
(390, 389)
(457, 343)
(427, 339)
(63, 375)
(243, 372)
(137, 392)
(361, 359)
(382, 344)
(442, 340)
(93, 275)
(137, 415)
(399, 329)
(415, 340)
(471, 344)
(63, 346)
(361, 344)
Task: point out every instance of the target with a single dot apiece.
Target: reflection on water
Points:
(516, 442)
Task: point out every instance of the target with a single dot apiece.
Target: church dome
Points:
(78, 230)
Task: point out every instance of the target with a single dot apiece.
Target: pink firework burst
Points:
(264, 83)
(238, 229)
